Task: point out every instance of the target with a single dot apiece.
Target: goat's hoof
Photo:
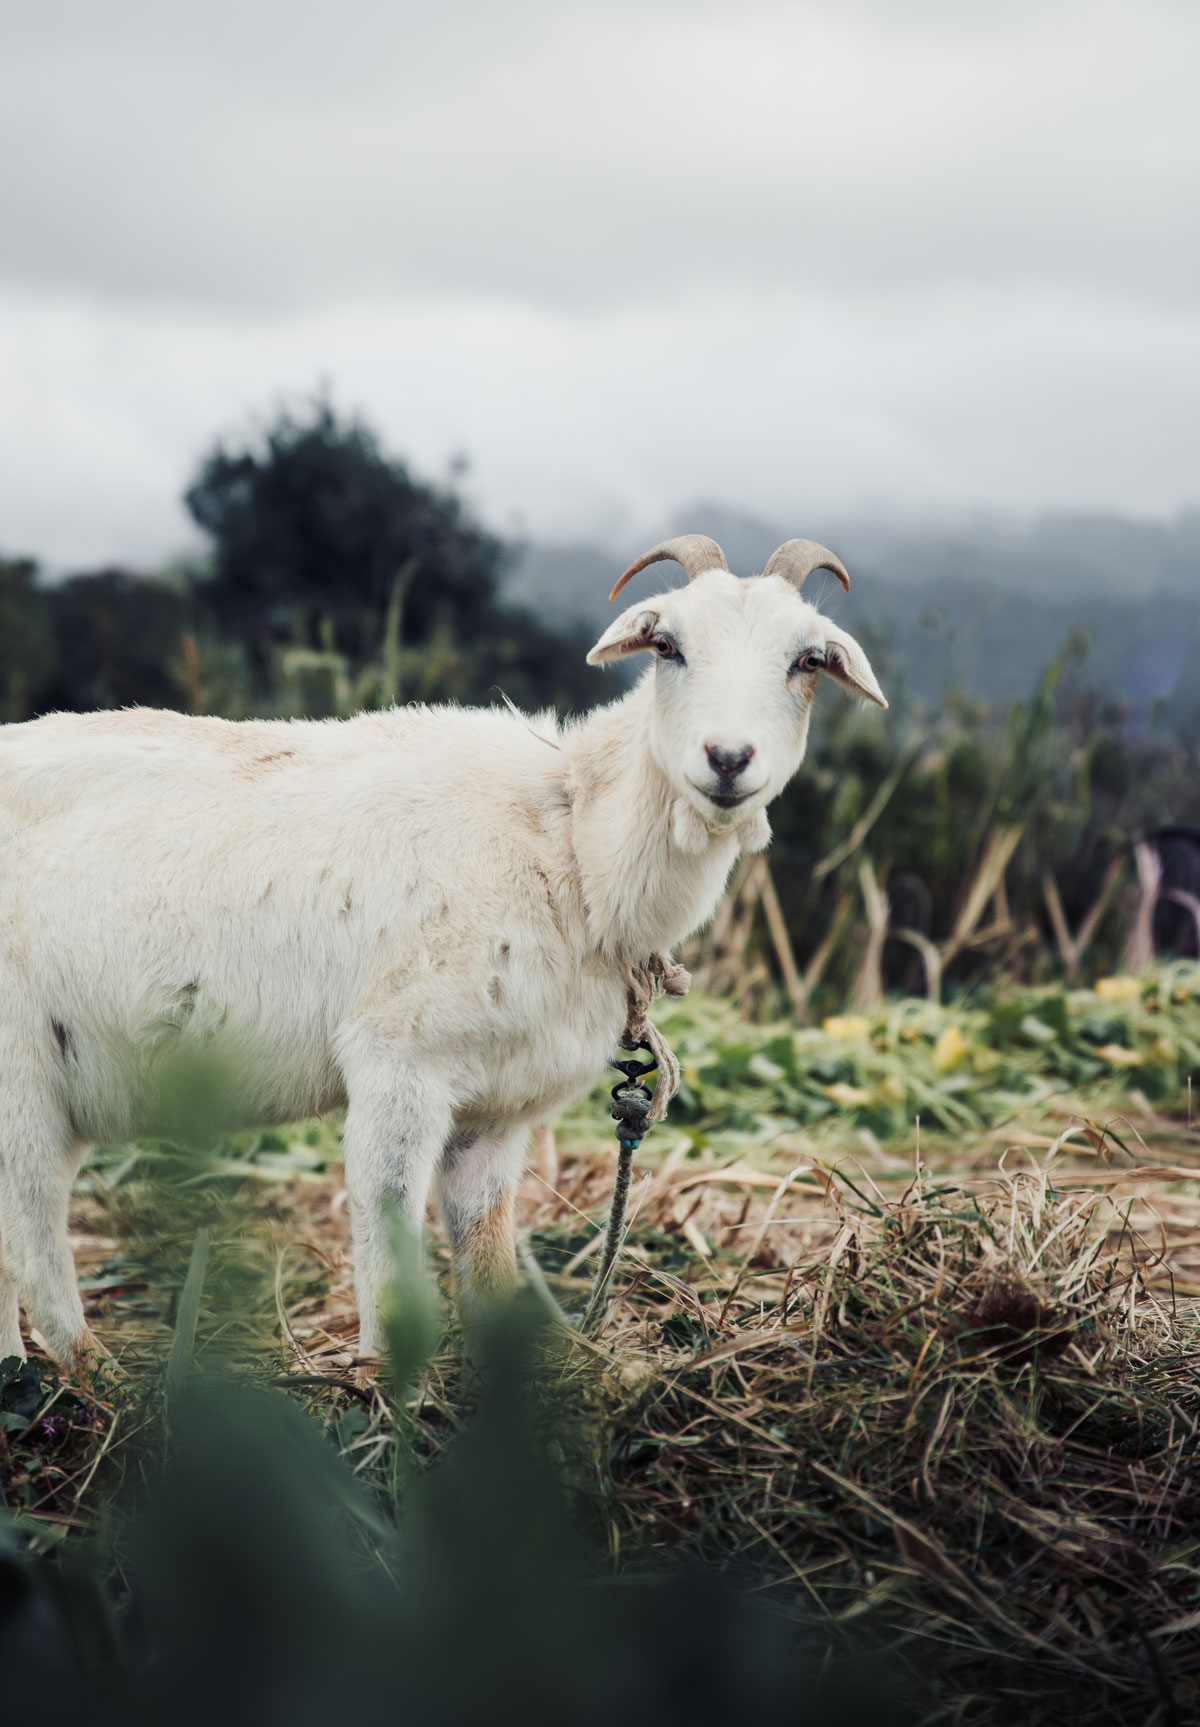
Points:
(94, 1369)
(367, 1371)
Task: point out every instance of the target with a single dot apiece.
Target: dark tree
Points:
(117, 638)
(316, 531)
(317, 523)
(26, 639)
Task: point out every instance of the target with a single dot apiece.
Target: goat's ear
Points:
(845, 661)
(631, 633)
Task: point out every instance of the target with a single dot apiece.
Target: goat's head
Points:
(738, 663)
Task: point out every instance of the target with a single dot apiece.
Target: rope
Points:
(614, 1234)
(658, 975)
(644, 983)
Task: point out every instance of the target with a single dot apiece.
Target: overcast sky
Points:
(918, 256)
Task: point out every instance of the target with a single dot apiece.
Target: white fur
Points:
(422, 915)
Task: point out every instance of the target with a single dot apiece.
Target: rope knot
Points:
(658, 976)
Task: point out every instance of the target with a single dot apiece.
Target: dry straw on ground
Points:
(968, 1425)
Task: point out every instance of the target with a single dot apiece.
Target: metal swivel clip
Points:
(631, 1099)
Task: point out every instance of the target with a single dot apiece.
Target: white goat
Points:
(425, 915)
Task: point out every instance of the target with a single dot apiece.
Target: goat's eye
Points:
(665, 648)
(811, 660)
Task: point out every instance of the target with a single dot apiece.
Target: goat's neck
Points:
(643, 891)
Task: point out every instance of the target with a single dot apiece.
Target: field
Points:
(903, 1341)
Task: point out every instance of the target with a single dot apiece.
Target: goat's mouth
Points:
(725, 800)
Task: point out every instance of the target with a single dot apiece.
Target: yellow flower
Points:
(893, 1085)
(1119, 988)
(1116, 1055)
(847, 1095)
(949, 1049)
(846, 1025)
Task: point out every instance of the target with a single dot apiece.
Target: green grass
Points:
(995, 1057)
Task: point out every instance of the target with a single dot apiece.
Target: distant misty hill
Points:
(981, 605)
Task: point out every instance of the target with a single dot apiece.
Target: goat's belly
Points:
(185, 1080)
(137, 1026)
(530, 1068)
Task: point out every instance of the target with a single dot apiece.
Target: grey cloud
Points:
(811, 258)
(573, 156)
(797, 407)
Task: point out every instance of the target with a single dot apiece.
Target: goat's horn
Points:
(696, 552)
(797, 559)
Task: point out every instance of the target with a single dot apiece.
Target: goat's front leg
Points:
(476, 1191)
(396, 1125)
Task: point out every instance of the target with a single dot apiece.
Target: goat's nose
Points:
(729, 762)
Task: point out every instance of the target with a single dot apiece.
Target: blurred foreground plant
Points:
(277, 1547)
(245, 1574)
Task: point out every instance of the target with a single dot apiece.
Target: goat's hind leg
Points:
(39, 1157)
(476, 1191)
(10, 1322)
(11, 1341)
